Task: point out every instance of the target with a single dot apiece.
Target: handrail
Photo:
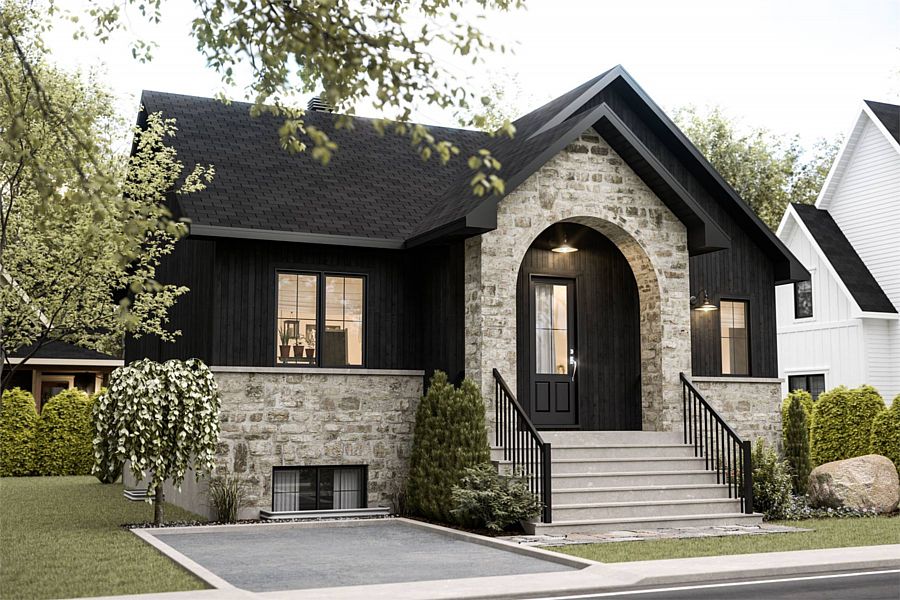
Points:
(713, 439)
(522, 445)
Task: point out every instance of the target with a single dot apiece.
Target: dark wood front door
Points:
(554, 391)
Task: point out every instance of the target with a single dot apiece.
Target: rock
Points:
(865, 482)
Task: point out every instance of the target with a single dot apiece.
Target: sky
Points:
(793, 66)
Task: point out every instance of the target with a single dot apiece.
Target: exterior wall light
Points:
(564, 248)
(706, 305)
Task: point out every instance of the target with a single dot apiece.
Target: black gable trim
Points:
(888, 114)
(62, 350)
(843, 257)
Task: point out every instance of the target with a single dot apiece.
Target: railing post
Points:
(546, 485)
(748, 476)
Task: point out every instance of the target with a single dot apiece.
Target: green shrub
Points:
(771, 483)
(796, 445)
(484, 498)
(806, 402)
(18, 420)
(226, 495)
(450, 437)
(885, 437)
(842, 423)
(64, 437)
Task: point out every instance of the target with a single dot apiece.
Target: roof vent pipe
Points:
(319, 104)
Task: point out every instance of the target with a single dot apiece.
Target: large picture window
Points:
(803, 300)
(318, 488)
(735, 338)
(320, 320)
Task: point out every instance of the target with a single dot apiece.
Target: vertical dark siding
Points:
(608, 326)
(442, 284)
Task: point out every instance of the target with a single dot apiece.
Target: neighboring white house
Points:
(842, 327)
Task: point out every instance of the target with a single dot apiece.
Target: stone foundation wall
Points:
(752, 407)
(273, 417)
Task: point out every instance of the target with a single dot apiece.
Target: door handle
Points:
(574, 364)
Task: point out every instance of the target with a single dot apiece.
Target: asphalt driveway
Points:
(266, 558)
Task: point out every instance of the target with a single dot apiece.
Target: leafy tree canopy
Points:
(82, 228)
(767, 170)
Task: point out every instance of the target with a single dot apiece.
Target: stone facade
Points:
(273, 417)
(750, 406)
(587, 183)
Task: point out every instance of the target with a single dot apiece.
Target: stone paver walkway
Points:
(650, 534)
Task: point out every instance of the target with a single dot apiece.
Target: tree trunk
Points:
(158, 506)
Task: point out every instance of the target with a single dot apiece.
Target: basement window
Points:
(319, 488)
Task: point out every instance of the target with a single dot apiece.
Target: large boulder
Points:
(866, 482)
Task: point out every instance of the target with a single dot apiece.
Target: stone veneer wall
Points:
(275, 416)
(750, 406)
(586, 183)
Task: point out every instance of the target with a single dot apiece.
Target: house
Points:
(842, 327)
(58, 366)
(324, 297)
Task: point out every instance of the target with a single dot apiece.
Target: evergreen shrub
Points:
(806, 402)
(18, 419)
(885, 437)
(796, 443)
(64, 436)
(484, 498)
(842, 423)
(771, 483)
(450, 436)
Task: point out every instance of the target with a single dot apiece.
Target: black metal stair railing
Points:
(723, 450)
(522, 445)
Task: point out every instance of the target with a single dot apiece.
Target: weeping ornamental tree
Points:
(163, 418)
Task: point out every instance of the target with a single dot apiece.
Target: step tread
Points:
(631, 473)
(589, 446)
(711, 516)
(624, 459)
(643, 488)
(646, 503)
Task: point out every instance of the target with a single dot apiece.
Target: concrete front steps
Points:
(626, 480)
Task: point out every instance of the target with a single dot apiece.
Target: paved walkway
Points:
(650, 535)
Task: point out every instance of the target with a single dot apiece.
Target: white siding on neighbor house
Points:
(882, 340)
(865, 203)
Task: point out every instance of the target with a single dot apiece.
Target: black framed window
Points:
(320, 319)
(812, 383)
(803, 300)
(735, 337)
(319, 488)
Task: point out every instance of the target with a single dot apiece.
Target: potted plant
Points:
(298, 347)
(310, 344)
(284, 350)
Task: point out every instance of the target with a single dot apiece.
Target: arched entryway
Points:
(578, 326)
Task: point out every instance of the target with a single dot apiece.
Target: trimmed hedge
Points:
(842, 423)
(18, 419)
(450, 437)
(885, 439)
(64, 435)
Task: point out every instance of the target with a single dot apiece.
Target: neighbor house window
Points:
(803, 300)
(320, 320)
(814, 384)
(735, 341)
(318, 488)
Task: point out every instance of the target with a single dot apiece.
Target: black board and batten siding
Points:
(414, 307)
(608, 325)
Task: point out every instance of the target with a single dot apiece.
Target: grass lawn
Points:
(828, 533)
(60, 537)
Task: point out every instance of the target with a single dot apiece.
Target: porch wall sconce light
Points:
(564, 248)
(705, 306)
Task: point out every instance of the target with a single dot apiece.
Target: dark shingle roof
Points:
(843, 257)
(375, 186)
(889, 115)
(62, 350)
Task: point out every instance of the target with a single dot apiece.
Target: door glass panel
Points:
(551, 305)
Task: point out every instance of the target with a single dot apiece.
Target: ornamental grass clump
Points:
(885, 436)
(450, 437)
(18, 420)
(64, 435)
(227, 495)
(842, 423)
(484, 498)
(796, 444)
